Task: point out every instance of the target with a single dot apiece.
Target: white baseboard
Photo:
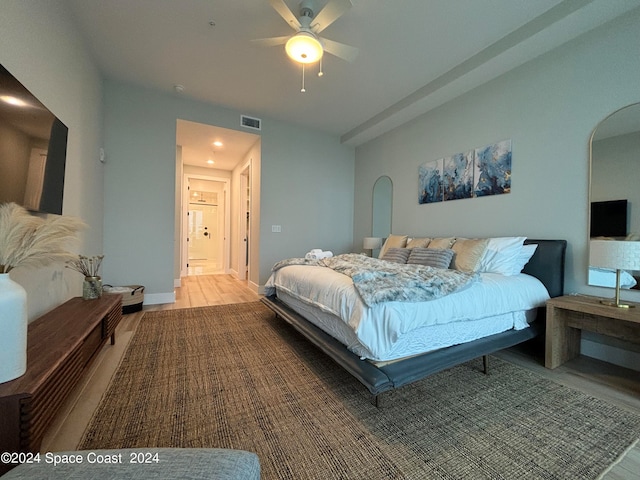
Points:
(159, 298)
(609, 353)
(254, 286)
(177, 282)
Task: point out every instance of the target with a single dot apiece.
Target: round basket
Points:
(132, 296)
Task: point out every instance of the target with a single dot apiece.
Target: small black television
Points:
(609, 218)
(33, 149)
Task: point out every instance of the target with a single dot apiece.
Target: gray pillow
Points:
(431, 257)
(397, 255)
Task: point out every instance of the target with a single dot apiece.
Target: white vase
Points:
(13, 329)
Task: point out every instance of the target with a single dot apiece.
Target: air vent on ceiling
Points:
(250, 122)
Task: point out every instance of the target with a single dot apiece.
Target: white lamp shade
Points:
(371, 243)
(614, 254)
(304, 47)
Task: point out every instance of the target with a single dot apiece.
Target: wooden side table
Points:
(568, 315)
(61, 346)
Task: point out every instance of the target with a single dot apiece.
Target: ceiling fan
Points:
(306, 46)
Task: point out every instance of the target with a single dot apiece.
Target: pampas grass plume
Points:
(30, 241)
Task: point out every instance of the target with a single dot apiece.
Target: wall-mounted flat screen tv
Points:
(609, 219)
(33, 149)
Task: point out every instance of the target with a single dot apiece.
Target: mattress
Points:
(394, 330)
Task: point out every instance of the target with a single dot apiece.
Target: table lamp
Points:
(371, 243)
(616, 255)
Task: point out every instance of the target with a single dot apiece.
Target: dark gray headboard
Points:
(547, 264)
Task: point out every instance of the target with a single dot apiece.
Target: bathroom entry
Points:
(206, 228)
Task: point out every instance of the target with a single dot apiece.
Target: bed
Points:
(382, 365)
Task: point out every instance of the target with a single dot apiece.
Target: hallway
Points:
(204, 267)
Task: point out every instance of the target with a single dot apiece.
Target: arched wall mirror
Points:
(382, 206)
(614, 195)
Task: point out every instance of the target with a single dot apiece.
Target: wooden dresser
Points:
(60, 347)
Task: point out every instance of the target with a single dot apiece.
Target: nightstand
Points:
(567, 316)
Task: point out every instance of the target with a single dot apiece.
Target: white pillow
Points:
(501, 255)
(526, 252)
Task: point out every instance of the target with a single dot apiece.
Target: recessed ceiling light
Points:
(217, 143)
(210, 162)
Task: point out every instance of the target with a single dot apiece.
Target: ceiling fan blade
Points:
(272, 41)
(329, 14)
(345, 52)
(283, 10)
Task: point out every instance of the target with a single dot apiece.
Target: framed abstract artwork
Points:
(430, 182)
(476, 173)
(493, 169)
(458, 176)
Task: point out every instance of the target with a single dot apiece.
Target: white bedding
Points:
(605, 277)
(398, 329)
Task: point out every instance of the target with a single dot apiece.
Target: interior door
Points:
(245, 223)
(204, 234)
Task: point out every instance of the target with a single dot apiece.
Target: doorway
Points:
(207, 226)
(204, 240)
(217, 154)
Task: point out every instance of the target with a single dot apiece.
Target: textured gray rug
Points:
(234, 376)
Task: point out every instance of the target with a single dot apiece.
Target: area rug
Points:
(235, 376)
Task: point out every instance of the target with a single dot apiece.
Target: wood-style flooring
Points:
(611, 383)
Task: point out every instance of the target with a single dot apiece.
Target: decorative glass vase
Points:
(13, 328)
(92, 288)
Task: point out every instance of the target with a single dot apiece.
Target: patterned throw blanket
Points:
(379, 281)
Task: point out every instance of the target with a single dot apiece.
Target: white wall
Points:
(548, 107)
(307, 189)
(42, 49)
(306, 185)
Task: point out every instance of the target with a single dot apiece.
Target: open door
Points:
(245, 224)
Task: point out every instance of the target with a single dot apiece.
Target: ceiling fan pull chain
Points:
(320, 72)
(303, 90)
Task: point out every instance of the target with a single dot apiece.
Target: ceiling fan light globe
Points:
(304, 48)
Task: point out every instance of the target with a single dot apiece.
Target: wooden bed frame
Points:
(547, 264)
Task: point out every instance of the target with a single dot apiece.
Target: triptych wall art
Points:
(476, 173)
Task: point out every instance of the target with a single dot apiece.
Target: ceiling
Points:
(414, 54)
(197, 142)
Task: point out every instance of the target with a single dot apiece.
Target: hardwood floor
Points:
(204, 290)
(613, 384)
